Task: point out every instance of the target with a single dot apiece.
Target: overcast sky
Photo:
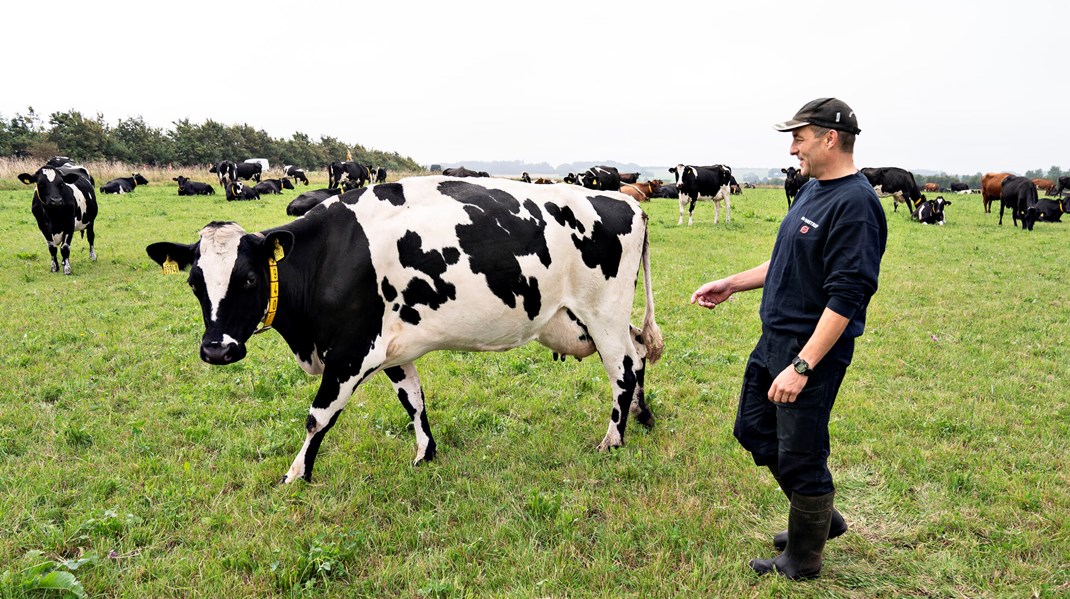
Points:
(956, 86)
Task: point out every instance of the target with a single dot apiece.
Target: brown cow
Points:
(543, 181)
(992, 189)
(639, 191)
(932, 187)
(1045, 185)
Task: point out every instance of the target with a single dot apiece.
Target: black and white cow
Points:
(297, 173)
(380, 175)
(1051, 211)
(370, 281)
(228, 170)
(310, 199)
(124, 184)
(931, 212)
(186, 187)
(353, 171)
(793, 182)
(896, 182)
(236, 190)
(698, 182)
(1020, 195)
(63, 202)
(601, 178)
(273, 186)
(960, 187)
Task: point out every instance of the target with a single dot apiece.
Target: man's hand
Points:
(712, 293)
(787, 386)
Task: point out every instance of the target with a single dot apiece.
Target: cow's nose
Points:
(217, 353)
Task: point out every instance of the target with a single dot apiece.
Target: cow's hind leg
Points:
(639, 408)
(406, 383)
(90, 236)
(624, 367)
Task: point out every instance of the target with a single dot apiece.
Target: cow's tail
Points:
(651, 333)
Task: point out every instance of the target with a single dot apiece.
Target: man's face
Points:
(810, 150)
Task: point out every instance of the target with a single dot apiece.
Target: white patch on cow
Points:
(315, 365)
(49, 174)
(219, 252)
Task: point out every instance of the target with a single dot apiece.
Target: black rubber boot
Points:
(808, 529)
(780, 539)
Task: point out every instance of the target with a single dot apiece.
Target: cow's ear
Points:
(27, 178)
(173, 257)
(279, 244)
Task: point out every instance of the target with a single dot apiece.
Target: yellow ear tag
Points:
(279, 253)
(170, 267)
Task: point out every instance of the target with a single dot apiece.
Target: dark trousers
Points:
(792, 436)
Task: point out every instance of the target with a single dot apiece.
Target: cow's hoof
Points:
(646, 418)
(54, 268)
(66, 270)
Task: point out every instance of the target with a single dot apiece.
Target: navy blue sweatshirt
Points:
(827, 255)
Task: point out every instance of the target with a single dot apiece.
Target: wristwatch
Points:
(801, 366)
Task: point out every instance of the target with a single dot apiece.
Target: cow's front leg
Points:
(332, 396)
(683, 203)
(728, 208)
(406, 383)
(65, 252)
(55, 263)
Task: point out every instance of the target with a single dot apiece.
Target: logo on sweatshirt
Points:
(809, 223)
(804, 230)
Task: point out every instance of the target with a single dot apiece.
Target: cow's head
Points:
(140, 180)
(236, 188)
(230, 276)
(589, 179)
(285, 182)
(677, 171)
(48, 184)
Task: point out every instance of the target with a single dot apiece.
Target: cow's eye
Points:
(250, 281)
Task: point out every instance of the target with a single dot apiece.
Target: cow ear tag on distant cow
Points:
(279, 253)
(170, 267)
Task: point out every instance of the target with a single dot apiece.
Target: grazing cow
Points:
(193, 188)
(1045, 185)
(297, 173)
(896, 182)
(1051, 211)
(1020, 195)
(372, 280)
(124, 184)
(525, 177)
(380, 175)
(236, 190)
(793, 182)
(958, 187)
(733, 186)
(460, 171)
(931, 212)
(600, 177)
(228, 170)
(992, 189)
(273, 186)
(63, 202)
(352, 171)
(1062, 185)
(310, 199)
(711, 182)
(628, 177)
(930, 187)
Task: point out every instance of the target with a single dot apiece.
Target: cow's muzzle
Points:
(218, 353)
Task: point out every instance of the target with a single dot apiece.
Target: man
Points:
(816, 287)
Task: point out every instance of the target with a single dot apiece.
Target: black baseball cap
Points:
(829, 113)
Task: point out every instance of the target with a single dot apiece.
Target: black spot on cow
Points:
(432, 263)
(310, 423)
(351, 197)
(603, 248)
(396, 374)
(390, 192)
(502, 230)
(564, 216)
(410, 315)
(389, 293)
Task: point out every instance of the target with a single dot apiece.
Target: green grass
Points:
(120, 447)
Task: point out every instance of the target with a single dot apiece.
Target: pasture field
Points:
(135, 469)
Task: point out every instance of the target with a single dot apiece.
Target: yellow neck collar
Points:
(273, 297)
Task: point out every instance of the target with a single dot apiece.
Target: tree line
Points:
(133, 141)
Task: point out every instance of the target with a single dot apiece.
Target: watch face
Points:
(801, 366)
